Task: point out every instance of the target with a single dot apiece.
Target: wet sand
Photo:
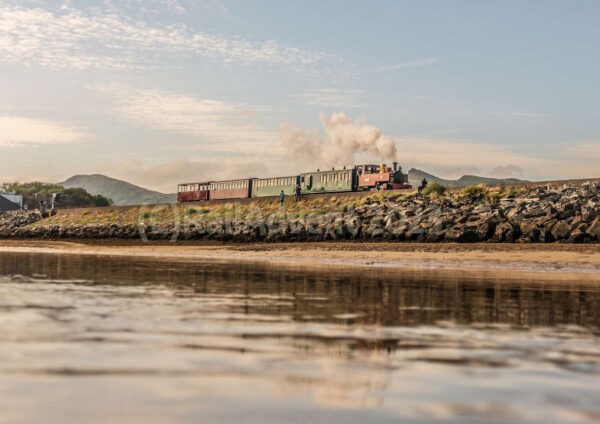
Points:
(542, 262)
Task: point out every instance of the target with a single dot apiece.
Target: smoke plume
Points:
(343, 140)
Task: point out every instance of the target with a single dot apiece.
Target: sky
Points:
(158, 92)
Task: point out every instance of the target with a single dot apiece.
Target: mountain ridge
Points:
(416, 175)
(121, 192)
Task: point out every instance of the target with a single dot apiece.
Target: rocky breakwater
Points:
(13, 220)
(542, 215)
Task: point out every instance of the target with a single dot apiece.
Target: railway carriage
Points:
(232, 189)
(266, 187)
(328, 181)
(193, 192)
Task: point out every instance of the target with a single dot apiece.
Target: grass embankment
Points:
(267, 207)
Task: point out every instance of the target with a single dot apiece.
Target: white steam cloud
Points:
(343, 140)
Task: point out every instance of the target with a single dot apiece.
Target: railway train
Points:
(358, 178)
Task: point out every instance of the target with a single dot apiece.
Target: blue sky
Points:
(161, 91)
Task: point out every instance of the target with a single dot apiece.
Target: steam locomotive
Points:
(358, 178)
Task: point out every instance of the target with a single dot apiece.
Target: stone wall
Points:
(543, 215)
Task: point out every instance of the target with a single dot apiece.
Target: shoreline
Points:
(562, 262)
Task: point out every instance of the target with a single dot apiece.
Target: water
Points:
(100, 340)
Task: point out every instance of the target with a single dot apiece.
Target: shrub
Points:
(512, 192)
(434, 188)
(474, 191)
(101, 201)
(67, 197)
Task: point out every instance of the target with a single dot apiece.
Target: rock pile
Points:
(10, 221)
(543, 215)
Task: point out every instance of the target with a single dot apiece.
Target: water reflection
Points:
(230, 343)
(374, 297)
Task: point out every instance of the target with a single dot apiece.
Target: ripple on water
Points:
(87, 339)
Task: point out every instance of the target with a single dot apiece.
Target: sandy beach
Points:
(543, 262)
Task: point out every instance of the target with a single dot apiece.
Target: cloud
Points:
(165, 176)
(406, 65)
(505, 171)
(585, 150)
(18, 131)
(72, 39)
(229, 125)
(451, 158)
(523, 114)
(332, 97)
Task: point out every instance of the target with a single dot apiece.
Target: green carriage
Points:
(267, 187)
(329, 181)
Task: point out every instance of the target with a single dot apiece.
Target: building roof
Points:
(7, 205)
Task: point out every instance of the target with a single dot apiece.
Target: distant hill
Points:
(122, 193)
(416, 175)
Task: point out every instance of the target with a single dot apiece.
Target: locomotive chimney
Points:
(395, 164)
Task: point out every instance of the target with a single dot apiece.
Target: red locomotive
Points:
(381, 177)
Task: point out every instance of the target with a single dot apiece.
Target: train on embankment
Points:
(358, 178)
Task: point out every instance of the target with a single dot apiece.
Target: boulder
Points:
(561, 230)
(594, 229)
